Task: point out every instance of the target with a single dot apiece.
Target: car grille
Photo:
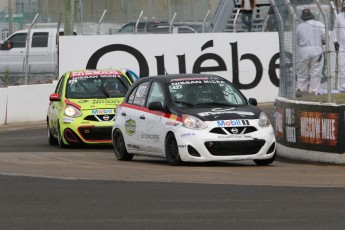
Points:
(233, 130)
(234, 148)
(100, 118)
(95, 133)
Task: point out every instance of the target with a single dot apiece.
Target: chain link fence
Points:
(310, 67)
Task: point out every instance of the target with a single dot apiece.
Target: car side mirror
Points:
(156, 105)
(252, 101)
(6, 45)
(54, 97)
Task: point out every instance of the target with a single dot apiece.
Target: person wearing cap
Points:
(339, 45)
(310, 38)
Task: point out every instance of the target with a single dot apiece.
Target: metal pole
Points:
(28, 37)
(204, 22)
(69, 15)
(81, 10)
(294, 50)
(100, 22)
(137, 23)
(10, 17)
(171, 22)
(329, 77)
(169, 15)
(57, 49)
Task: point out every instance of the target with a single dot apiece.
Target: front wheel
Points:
(171, 150)
(120, 147)
(51, 139)
(266, 161)
(60, 140)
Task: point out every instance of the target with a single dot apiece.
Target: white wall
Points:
(230, 48)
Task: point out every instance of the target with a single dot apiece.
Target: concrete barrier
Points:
(27, 103)
(3, 105)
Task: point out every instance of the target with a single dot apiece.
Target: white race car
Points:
(191, 117)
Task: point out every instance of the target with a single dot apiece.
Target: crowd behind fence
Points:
(306, 73)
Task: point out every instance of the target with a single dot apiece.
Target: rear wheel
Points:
(266, 161)
(120, 147)
(171, 150)
(51, 139)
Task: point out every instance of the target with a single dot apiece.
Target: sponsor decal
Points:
(318, 128)
(218, 111)
(227, 123)
(94, 73)
(177, 85)
(102, 111)
(187, 134)
(154, 137)
(310, 127)
(171, 123)
(68, 119)
(132, 146)
(290, 129)
(130, 127)
(234, 137)
(107, 101)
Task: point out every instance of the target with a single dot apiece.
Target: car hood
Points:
(224, 113)
(102, 103)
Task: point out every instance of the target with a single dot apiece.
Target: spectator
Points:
(339, 44)
(310, 38)
(247, 7)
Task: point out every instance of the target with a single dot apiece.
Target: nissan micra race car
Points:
(82, 108)
(191, 117)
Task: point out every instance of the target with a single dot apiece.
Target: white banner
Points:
(249, 60)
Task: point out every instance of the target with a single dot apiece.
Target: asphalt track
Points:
(44, 187)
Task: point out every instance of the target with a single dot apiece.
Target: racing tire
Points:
(51, 139)
(171, 150)
(61, 144)
(266, 161)
(119, 145)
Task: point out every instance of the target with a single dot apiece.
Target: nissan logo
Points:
(106, 117)
(234, 130)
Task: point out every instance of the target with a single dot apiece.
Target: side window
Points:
(59, 85)
(40, 39)
(156, 94)
(138, 96)
(18, 40)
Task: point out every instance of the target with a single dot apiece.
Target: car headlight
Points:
(192, 122)
(71, 111)
(263, 120)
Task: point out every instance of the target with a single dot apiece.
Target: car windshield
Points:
(204, 92)
(97, 86)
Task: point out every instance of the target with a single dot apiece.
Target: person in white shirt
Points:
(310, 38)
(339, 44)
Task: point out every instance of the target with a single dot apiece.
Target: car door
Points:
(151, 129)
(12, 56)
(129, 120)
(41, 57)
